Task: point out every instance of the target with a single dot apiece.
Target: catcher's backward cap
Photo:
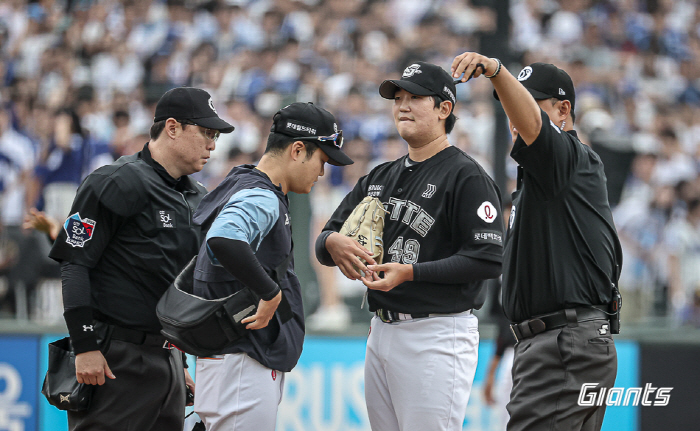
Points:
(305, 121)
(193, 104)
(544, 81)
(422, 79)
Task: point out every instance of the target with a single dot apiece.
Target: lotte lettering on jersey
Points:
(443, 206)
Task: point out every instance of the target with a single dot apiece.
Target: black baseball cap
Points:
(308, 122)
(422, 79)
(193, 104)
(544, 81)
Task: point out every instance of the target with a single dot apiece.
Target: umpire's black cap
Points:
(422, 79)
(193, 104)
(308, 122)
(544, 81)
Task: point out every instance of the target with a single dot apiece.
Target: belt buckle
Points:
(515, 335)
(387, 316)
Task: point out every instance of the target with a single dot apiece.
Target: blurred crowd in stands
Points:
(79, 80)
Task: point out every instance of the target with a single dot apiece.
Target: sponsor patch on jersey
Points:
(374, 190)
(487, 237)
(78, 230)
(487, 212)
(166, 219)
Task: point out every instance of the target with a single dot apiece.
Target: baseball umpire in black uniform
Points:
(129, 233)
(443, 237)
(562, 256)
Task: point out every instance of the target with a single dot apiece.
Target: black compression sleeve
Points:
(238, 259)
(456, 269)
(322, 253)
(76, 285)
(77, 309)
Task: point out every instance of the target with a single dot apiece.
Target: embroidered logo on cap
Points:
(449, 93)
(525, 73)
(301, 128)
(562, 92)
(411, 70)
(78, 230)
(211, 105)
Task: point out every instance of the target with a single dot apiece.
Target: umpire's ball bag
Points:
(199, 326)
(61, 388)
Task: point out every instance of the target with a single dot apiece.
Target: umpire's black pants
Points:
(548, 371)
(148, 393)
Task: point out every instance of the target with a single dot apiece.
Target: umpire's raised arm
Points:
(561, 253)
(521, 108)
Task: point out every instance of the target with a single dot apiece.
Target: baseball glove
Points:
(366, 225)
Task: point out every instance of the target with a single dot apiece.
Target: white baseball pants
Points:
(236, 393)
(419, 373)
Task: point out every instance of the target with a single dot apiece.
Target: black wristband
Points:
(322, 254)
(81, 329)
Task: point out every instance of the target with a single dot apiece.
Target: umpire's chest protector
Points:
(277, 346)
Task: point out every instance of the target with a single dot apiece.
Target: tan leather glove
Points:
(366, 225)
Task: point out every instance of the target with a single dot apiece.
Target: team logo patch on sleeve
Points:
(487, 212)
(78, 230)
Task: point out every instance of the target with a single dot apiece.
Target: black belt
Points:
(388, 316)
(531, 327)
(135, 336)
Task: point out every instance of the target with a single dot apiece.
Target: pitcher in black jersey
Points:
(562, 255)
(443, 237)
